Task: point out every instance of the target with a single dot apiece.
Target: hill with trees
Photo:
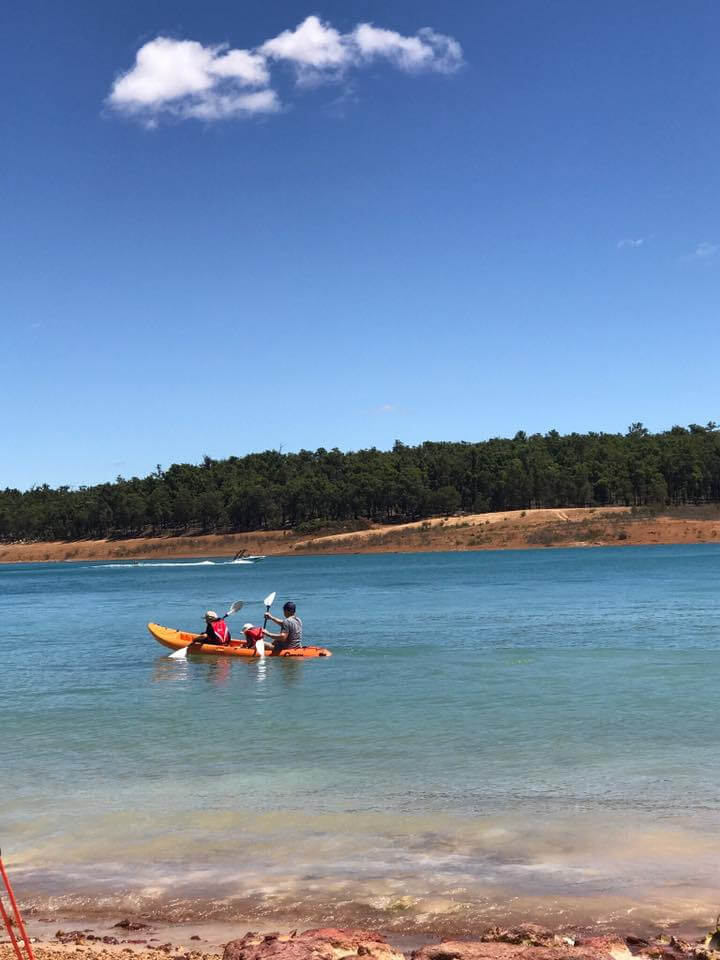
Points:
(307, 490)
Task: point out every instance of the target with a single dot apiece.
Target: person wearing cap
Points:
(291, 629)
(216, 630)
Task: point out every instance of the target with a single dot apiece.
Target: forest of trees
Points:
(304, 490)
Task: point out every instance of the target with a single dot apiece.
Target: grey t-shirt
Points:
(293, 627)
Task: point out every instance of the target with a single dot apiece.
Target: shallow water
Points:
(497, 734)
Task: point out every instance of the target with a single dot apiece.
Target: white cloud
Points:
(705, 250)
(311, 44)
(164, 70)
(248, 68)
(319, 52)
(184, 78)
(427, 50)
(221, 106)
(629, 242)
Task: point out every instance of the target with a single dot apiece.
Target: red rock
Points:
(468, 950)
(326, 943)
(661, 947)
(617, 948)
(477, 950)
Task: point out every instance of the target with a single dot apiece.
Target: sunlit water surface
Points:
(498, 734)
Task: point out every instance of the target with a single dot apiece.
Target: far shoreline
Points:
(506, 530)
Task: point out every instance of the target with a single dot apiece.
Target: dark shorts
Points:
(279, 646)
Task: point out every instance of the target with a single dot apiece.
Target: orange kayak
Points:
(175, 639)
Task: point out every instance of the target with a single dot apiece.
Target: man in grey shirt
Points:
(291, 629)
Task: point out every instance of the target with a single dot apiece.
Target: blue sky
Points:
(255, 235)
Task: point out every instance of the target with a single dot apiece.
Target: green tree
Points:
(159, 507)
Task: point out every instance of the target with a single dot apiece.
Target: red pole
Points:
(8, 926)
(16, 911)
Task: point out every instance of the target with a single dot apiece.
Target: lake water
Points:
(498, 735)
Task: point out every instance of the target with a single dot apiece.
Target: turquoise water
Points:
(497, 734)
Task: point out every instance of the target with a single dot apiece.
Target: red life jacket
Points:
(253, 635)
(222, 634)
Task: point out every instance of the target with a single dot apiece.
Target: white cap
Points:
(247, 626)
(211, 615)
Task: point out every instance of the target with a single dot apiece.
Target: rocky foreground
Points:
(525, 942)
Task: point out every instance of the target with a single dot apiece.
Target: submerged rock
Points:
(529, 934)
(71, 936)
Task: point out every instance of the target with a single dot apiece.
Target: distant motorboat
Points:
(241, 557)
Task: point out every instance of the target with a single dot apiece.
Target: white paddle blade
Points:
(238, 605)
(270, 599)
(260, 648)
(180, 654)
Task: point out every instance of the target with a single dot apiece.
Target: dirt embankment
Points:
(519, 529)
(151, 548)
(514, 529)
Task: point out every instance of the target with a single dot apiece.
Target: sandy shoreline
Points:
(508, 530)
(202, 923)
(204, 939)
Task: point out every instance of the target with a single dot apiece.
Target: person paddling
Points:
(291, 629)
(216, 630)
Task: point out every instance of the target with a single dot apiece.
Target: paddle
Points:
(181, 654)
(260, 645)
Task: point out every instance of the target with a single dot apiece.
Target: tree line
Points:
(309, 489)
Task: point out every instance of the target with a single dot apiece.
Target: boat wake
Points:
(133, 565)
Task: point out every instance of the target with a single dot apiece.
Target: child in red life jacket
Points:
(252, 634)
(216, 630)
